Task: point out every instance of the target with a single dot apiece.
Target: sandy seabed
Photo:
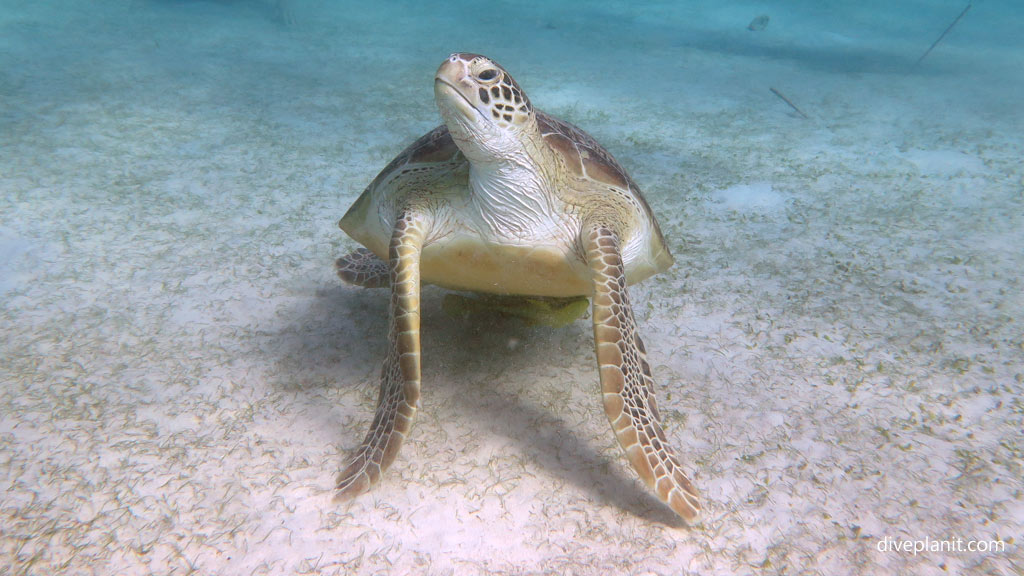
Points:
(839, 348)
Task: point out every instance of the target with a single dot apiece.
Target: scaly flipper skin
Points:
(400, 376)
(362, 268)
(626, 380)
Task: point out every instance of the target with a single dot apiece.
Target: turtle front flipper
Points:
(400, 376)
(626, 380)
(362, 268)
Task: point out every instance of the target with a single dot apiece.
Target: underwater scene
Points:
(675, 287)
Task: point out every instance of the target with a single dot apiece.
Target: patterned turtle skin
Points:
(505, 199)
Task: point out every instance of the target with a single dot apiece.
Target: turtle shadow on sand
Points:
(338, 340)
(339, 327)
(464, 346)
(324, 344)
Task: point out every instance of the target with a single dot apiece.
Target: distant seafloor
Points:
(839, 349)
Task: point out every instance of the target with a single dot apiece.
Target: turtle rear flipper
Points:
(362, 268)
(533, 310)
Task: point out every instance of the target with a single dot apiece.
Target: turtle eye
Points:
(488, 74)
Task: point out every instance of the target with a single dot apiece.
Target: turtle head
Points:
(486, 111)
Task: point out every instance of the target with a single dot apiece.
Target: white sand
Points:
(839, 348)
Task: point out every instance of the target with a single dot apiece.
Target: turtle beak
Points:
(451, 86)
(452, 70)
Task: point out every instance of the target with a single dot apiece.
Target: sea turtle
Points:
(505, 199)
